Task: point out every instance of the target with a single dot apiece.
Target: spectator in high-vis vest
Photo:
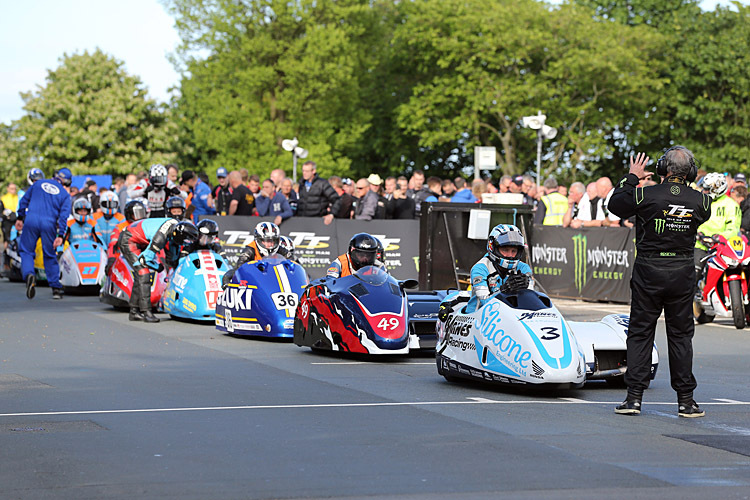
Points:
(553, 206)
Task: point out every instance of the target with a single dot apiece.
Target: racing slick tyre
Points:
(700, 315)
(738, 309)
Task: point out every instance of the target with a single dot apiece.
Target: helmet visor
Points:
(269, 243)
(111, 204)
(159, 180)
(139, 212)
(362, 258)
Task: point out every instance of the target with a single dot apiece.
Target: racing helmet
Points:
(505, 235)
(81, 204)
(184, 233)
(267, 238)
(158, 176)
(64, 176)
(716, 184)
(363, 250)
(286, 247)
(175, 202)
(35, 174)
(109, 203)
(134, 210)
(209, 231)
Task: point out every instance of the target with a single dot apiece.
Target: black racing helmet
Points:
(184, 233)
(363, 250)
(208, 231)
(286, 247)
(175, 202)
(134, 210)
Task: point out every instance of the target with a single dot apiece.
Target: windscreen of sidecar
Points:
(525, 299)
(373, 275)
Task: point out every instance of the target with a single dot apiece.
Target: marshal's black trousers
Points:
(662, 283)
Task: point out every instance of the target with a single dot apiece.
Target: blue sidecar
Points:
(195, 286)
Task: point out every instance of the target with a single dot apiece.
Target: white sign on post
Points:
(484, 159)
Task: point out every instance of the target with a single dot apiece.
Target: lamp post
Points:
(297, 152)
(536, 122)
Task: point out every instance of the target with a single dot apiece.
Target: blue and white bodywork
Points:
(195, 286)
(522, 339)
(261, 299)
(82, 267)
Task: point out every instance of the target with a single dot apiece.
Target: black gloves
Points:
(516, 281)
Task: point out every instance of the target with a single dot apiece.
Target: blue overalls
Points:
(45, 208)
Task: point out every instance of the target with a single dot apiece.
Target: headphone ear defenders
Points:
(662, 165)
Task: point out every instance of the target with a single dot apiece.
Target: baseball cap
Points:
(221, 172)
(187, 175)
(346, 181)
(740, 178)
(518, 180)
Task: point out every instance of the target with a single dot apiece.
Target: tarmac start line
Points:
(469, 401)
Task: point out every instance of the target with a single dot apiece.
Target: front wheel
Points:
(738, 307)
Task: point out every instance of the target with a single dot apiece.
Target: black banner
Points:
(318, 244)
(588, 263)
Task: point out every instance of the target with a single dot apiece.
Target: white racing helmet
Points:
(716, 184)
(504, 235)
(267, 238)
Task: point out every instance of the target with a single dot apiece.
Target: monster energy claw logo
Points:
(659, 225)
(579, 259)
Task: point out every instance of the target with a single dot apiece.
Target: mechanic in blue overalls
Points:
(43, 213)
(500, 270)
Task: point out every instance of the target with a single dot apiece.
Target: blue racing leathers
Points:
(201, 193)
(485, 277)
(44, 209)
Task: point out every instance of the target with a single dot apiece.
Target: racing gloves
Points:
(515, 282)
(148, 259)
(482, 292)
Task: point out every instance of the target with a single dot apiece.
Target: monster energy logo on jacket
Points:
(659, 225)
(579, 261)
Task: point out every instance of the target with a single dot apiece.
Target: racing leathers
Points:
(44, 209)
(139, 243)
(667, 217)
(487, 279)
(78, 231)
(342, 266)
(249, 254)
(726, 218)
(106, 225)
(155, 198)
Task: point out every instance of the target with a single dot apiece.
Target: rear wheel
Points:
(738, 308)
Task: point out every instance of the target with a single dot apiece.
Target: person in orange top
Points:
(266, 242)
(363, 251)
(109, 218)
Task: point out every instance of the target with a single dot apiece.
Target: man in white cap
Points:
(376, 186)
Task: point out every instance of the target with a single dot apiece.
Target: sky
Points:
(34, 34)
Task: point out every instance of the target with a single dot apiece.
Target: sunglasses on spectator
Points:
(361, 187)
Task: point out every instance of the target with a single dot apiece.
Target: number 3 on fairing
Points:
(550, 333)
(388, 324)
(284, 300)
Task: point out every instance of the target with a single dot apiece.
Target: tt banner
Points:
(587, 263)
(318, 244)
(399, 237)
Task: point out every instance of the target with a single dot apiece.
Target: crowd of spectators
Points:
(239, 193)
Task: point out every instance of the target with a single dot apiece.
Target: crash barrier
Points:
(318, 244)
(446, 251)
(589, 263)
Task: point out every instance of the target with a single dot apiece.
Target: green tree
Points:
(480, 65)
(711, 76)
(260, 71)
(94, 118)
(632, 12)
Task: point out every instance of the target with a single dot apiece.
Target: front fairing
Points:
(194, 288)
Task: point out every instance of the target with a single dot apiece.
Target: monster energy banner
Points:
(589, 263)
(318, 244)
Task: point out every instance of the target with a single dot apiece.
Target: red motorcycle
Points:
(724, 290)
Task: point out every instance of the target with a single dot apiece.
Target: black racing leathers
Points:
(667, 219)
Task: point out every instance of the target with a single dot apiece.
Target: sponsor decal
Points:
(179, 282)
(507, 349)
(675, 190)
(679, 211)
(579, 261)
(188, 305)
(389, 244)
(536, 315)
(659, 225)
(50, 188)
(462, 344)
(288, 324)
(603, 256)
(235, 298)
(458, 325)
(547, 271)
(549, 254)
(238, 238)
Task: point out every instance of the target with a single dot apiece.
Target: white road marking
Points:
(468, 401)
(733, 401)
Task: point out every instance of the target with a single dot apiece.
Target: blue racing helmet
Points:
(505, 235)
(64, 176)
(35, 174)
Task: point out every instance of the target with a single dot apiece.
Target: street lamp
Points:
(543, 131)
(297, 152)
